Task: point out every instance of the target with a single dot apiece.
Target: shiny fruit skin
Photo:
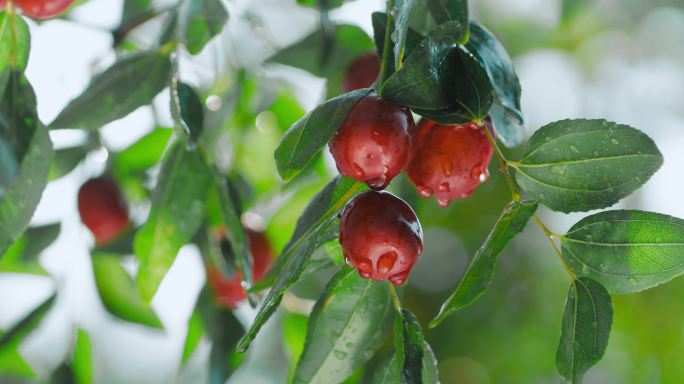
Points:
(228, 290)
(381, 236)
(362, 72)
(374, 143)
(103, 209)
(3, 3)
(43, 9)
(449, 161)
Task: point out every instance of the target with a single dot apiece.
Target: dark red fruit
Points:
(449, 161)
(103, 209)
(228, 290)
(362, 72)
(3, 3)
(374, 143)
(381, 236)
(43, 9)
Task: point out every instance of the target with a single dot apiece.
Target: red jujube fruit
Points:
(381, 236)
(362, 72)
(449, 161)
(103, 209)
(228, 291)
(374, 143)
(43, 9)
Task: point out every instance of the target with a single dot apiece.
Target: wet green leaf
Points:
(449, 10)
(626, 251)
(344, 328)
(302, 142)
(587, 318)
(412, 38)
(580, 165)
(121, 89)
(401, 28)
(15, 43)
(480, 272)
(176, 215)
(506, 112)
(118, 292)
(144, 153)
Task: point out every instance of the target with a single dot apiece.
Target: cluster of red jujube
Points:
(40, 9)
(380, 233)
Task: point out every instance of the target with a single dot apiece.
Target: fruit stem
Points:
(503, 163)
(395, 297)
(386, 49)
(551, 235)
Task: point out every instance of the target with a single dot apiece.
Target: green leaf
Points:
(25, 326)
(480, 272)
(449, 10)
(22, 255)
(309, 53)
(66, 160)
(191, 110)
(306, 137)
(132, 9)
(176, 215)
(442, 82)
(506, 113)
(15, 43)
(412, 360)
(317, 225)
(626, 251)
(329, 4)
(587, 318)
(239, 243)
(344, 328)
(580, 165)
(24, 173)
(412, 38)
(118, 292)
(400, 31)
(193, 336)
(121, 89)
(82, 360)
(206, 19)
(144, 153)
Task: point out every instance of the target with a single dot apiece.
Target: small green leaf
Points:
(580, 165)
(238, 237)
(15, 42)
(480, 272)
(206, 19)
(401, 28)
(144, 153)
(317, 225)
(193, 336)
(449, 10)
(412, 38)
(626, 251)
(66, 160)
(118, 292)
(132, 9)
(506, 113)
(25, 326)
(191, 110)
(26, 153)
(22, 255)
(176, 215)
(345, 328)
(82, 360)
(121, 89)
(308, 54)
(306, 137)
(587, 317)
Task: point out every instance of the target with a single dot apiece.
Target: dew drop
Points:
(444, 187)
(358, 170)
(424, 191)
(386, 262)
(339, 354)
(443, 201)
(632, 280)
(447, 166)
(614, 141)
(483, 177)
(399, 278)
(574, 149)
(394, 36)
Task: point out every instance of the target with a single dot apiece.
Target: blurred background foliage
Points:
(622, 59)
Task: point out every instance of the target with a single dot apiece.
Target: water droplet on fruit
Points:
(358, 170)
(424, 191)
(447, 166)
(484, 176)
(399, 278)
(348, 262)
(364, 266)
(443, 201)
(365, 275)
(444, 187)
(386, 262)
